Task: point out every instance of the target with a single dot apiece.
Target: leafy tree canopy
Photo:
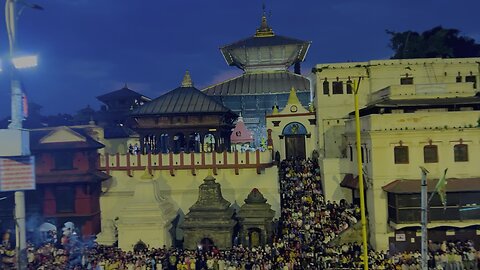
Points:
(436, 42)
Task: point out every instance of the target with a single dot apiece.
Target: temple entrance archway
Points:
(294, 134)
(206, 244)
(254, 237)
(140, 246)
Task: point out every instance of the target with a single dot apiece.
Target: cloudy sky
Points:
(90, 47)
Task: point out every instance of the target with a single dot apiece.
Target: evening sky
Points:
(87, 48)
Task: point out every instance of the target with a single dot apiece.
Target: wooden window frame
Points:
(406, 81)
(434, 158)
(396, 158)
(337, 88)
(456, 154)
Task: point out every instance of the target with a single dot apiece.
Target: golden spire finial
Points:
(264, 30)
(293, 98)
(187, 80)
(275, 109)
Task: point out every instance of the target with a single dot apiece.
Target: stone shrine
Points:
(256, 220)
(209, 222)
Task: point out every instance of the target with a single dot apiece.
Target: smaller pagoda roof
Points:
(185, 99)
(122, 93)
(240, 133)
(260, 84)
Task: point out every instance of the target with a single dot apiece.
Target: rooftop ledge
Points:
(423, 91)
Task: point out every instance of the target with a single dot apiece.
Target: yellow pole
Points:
(360, 175)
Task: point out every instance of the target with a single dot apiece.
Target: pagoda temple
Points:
(183, 120)
(117, 106)
(265, 59)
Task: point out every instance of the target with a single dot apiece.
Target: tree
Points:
(436, 42)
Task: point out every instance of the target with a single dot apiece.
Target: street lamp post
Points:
(16, 123)
(17, 116)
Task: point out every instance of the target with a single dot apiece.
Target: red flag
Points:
(24, 105)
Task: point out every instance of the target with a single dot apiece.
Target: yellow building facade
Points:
(422, 110)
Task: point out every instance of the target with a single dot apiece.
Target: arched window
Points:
(349, 86)
(326, 87)
(294, 128)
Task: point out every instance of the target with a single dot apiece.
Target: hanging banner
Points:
(17, 173)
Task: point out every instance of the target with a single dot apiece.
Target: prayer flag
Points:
(441, 189)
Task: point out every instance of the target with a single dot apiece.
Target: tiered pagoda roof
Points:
(265, 59)
(123, 93)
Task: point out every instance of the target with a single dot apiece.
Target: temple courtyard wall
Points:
(174, 180)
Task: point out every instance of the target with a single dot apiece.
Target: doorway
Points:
(295, 146)
(295, 134)
(206, 244)
(254, 237)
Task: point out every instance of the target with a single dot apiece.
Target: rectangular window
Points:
(351, 152)
(326, 88)
(473, 79)
(63, 160)
(401, 154)
(406, 80)
(337, 87)
(458, 79)
(65, 199)
(430, 154)
(460, 153)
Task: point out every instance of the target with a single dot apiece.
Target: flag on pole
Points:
(441, 189)
(24, 105)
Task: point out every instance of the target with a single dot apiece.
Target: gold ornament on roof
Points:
(293, 98)
(187, 80)
(264, 30)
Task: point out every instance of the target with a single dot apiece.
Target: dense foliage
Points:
(436, 42)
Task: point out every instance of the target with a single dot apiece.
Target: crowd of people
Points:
(302, 240)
